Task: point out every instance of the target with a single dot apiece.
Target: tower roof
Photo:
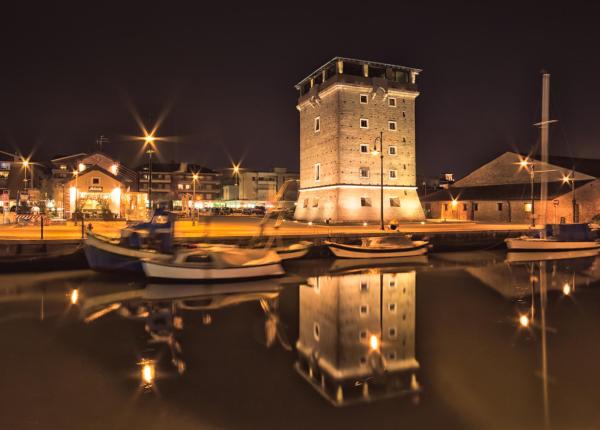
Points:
(372, 64)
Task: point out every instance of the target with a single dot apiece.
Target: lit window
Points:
(395, 202)
(63, 167)
(364, 148)
(363, 172)
(317, 124)
(364, 99)
(317, 172)
(392, 126)
(364, 123)
(393, 174)
(180, 186)
(365, 201)
(363, 310)
(392, 150)
(527, 207)
(188, 186)
(305, 203)
(391, 102)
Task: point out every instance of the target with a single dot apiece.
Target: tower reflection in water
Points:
(357, 336)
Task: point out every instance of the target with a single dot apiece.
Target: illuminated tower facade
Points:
(345, 107)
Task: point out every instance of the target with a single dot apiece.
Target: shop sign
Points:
(95, 188)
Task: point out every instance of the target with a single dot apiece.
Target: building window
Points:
(317, 124)
(363, 310)
(393, 174)
(395, 202)
(392, 150)
(464, 206)
(316, 331)
(315, 202)
(317, 172)
(392, 307)
(403, 114)
(305, 205)
(392, 283)
(475, 206)
(404, 140)
(365, 201)
(363, 172)
(499, 206)
(63, 167)
(95, 180)
(392, 332)
(392, 102)
(364, 123)
(527, 207)
(392, 126)
(392, 355)
(180, 186)
(362, 335)
(364, 148)
(404, 166)
(364, 99)
(188, 186)
(364, 286)
(445, 206)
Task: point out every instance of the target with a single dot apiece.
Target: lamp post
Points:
(149, 143)
(26, 166)
(194, 179)
(571, 179)
(530, 167)
(380, 152)
(76, 174)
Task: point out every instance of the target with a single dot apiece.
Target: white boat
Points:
(556, 238)
(529, 256)
(216, 263)
(293, 251)
(380, 247)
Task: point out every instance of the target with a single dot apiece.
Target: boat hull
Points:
(104, 256)
(352, 251)
(536, 245)
(162, 270)
(291, 254)
(528, 256)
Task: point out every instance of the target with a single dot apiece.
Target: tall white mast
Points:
(544, 124)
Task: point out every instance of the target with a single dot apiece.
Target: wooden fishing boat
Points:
(214, 264)
(380, 247)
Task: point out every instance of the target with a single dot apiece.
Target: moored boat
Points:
(214, 264)
(556, 238)
(293, 251)
(380, 247)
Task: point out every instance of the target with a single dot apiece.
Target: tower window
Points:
(392, 126)
(392, 307)
(404, 165)
(404, 140)
(316, 331)
(364, 123)
(317, 172)
(392, 283)
(305, 203)
(365, 202)
(363, 172)
(364, 148)
(392, 150)
(403, 114)
(364, 99)
(395, 202)
(364, 286)
(391, 102)
(317, 124)
(393, 174)
(392, 332)
(362, 335)
(363, 310)
(315, 202)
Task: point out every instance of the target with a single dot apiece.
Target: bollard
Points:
(42, 226)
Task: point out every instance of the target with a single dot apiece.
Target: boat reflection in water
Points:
(357, 336)
(161, 307)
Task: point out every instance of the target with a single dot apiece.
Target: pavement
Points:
(238, 226)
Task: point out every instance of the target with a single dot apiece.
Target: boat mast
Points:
(544, 141)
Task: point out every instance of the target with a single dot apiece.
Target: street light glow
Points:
(566, 179)
(74, 296)
(566, 289)
(524, 321)
(148, 372)
(374, 342)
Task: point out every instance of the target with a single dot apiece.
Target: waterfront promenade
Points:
(245, 227)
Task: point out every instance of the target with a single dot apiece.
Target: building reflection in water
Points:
(162, 308)
(357, 336)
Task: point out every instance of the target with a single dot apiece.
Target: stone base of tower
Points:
(350, 205)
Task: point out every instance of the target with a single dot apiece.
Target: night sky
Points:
(225, 77)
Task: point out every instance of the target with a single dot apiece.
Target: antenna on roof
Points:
(101, 141)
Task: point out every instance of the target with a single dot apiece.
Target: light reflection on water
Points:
(459, 340)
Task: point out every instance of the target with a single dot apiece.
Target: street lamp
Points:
(25, 165)
(149, 144)
(380, 152)
(76, 174)
(529, 166)
(571, 178)
(194, 179)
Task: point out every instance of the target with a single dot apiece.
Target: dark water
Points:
(449, 350)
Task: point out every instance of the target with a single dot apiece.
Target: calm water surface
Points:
(454, 341)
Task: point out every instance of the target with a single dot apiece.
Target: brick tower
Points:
(344, 106)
